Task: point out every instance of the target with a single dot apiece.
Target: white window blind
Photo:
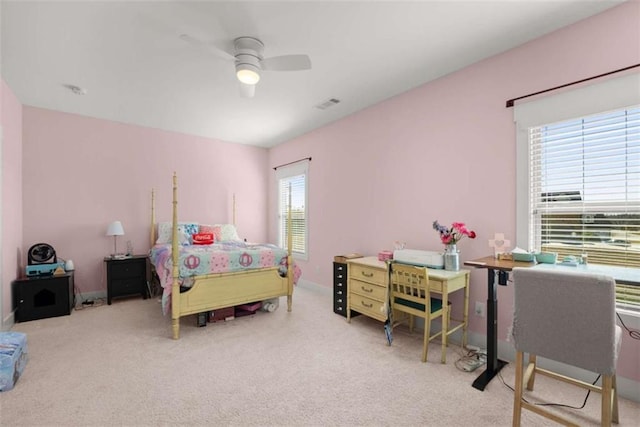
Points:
(293, 179)
(585, 187)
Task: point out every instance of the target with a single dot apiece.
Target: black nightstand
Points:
(39, 297)
(127, 276)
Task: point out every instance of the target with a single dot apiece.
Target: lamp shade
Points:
(115, 229)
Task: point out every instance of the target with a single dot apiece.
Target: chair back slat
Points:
(409, 280)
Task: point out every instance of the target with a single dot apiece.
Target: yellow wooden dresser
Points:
(368, 288)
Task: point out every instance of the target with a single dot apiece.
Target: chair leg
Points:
(517, 395)
(614, 391)
(425, 342)
(605, 416)
(427, 334)
(532, 377)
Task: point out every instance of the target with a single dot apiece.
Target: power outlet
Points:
(479, 309)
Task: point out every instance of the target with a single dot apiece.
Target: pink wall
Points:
(11, 122)
(446, 151)
(80, 174)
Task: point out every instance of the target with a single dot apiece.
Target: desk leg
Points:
(493, 363)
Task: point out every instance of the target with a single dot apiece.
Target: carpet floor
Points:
(116, 364)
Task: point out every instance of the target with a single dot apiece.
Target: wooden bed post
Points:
(290, 272)
(175, 286)
(152, 240)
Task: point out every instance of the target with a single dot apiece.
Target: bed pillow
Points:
(205, 228)
(202, 239)
(226, 232)
(185, 230)
(221, 232)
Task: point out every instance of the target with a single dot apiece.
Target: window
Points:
(293, 182)
(578, 189)
(584, 187)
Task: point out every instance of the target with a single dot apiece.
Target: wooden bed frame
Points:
(220, 290)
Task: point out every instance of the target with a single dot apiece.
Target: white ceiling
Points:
(135, 68)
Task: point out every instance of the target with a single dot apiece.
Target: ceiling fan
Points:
(250, 61)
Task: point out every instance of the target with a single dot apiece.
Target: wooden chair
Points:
(410, 295)
(568, 317)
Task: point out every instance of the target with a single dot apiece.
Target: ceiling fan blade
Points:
(247, 91)
(286, 63)
(210, 47)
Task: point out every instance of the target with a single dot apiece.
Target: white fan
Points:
(250, 61)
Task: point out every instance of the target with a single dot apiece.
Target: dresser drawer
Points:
(340, 309)
(437, 285)
(370, 307)
(368, 274)
(339, 270)
(124, 270)
(369, 290)
(127, 286)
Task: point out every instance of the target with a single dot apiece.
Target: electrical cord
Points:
(470, 357)
(633, 333)
(97, 302)
(562, 405)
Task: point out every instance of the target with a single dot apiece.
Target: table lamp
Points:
(115, 229)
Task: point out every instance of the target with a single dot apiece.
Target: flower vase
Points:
(451, 258)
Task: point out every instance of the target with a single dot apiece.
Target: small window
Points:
(292, 185)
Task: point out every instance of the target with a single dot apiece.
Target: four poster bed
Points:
(201, 278)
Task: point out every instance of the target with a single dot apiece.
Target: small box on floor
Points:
(247, 309)
(13, 358)
(221, 314)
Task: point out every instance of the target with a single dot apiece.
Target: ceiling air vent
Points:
(328, 103)
(76, 89)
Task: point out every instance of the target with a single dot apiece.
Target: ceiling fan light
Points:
(247, 75)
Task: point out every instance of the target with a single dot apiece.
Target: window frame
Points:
(285, 172)
(565, 157)
(610, 95)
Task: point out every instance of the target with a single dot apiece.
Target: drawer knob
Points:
(339, 292)
(365, 274)
(366, 290)
(367, 305)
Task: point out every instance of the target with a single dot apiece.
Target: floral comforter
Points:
(223, 257)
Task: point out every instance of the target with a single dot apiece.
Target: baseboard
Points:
(8, 322)
(308, 284)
